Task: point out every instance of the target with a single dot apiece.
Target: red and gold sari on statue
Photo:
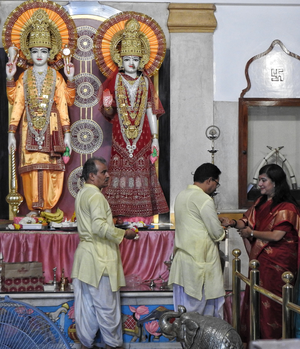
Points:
(134, 189)
(275, 257)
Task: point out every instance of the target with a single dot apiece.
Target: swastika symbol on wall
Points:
(277, 74)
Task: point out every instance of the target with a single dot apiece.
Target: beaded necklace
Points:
(39, 94)
(131, 116)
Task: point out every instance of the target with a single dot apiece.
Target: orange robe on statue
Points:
(41, 167)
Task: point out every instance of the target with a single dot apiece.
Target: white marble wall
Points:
(5, 9)
(226, 118)
(191, 105)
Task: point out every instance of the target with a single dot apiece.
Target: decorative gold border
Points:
(192, 18)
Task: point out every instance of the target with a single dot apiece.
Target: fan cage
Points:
(25, 326)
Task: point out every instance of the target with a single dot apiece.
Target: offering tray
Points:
(64, 225)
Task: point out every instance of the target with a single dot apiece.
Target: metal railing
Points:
(255, 290)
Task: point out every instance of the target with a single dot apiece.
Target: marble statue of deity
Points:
(40, 99)
(129, 101)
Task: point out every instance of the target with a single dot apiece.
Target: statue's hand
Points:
(107, 98)
(11, 142)
(154, 151)
(156, 145)
(11, 69)
(69, 69)
(67, 141)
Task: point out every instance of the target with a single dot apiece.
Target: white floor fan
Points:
(27, 327)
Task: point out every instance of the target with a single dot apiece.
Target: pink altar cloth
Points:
(142, 259)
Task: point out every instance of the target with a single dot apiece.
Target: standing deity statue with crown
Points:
(35, 36)
(129, 48)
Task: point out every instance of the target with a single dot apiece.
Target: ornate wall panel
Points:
(90, 132)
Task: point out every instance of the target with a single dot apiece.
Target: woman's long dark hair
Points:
(282, 189)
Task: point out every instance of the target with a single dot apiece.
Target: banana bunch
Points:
(57, 217)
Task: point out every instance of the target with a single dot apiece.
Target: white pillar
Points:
(191, 29)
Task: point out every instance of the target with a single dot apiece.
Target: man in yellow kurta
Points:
(97, 270)
(40, 100)
(196, 272)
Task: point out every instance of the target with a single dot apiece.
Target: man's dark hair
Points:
(205, 171)
(90, 167)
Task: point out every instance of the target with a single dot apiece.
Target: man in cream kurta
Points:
(97, 270)
(196, 272)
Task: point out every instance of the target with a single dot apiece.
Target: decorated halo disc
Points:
(84, 51)
(86, 136)
(21, 16)
(87, 86)
(75, 183)
(113, 25)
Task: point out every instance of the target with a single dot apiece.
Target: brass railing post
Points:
(287, 314)
(236, 290)
(288, 307)
(254, 301)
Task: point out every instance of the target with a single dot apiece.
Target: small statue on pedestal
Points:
(63, 281)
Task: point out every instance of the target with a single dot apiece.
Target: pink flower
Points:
(66, 159)
(152, 328)
(23, 310)
(141, 310)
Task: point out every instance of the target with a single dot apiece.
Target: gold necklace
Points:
(131, 118)
(38, 108)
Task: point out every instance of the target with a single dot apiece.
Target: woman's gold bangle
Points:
(154, 136)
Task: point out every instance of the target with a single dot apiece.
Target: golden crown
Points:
(40, 23)
(131, 44)
(110, 47)
(39, 31)
(40, 34)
